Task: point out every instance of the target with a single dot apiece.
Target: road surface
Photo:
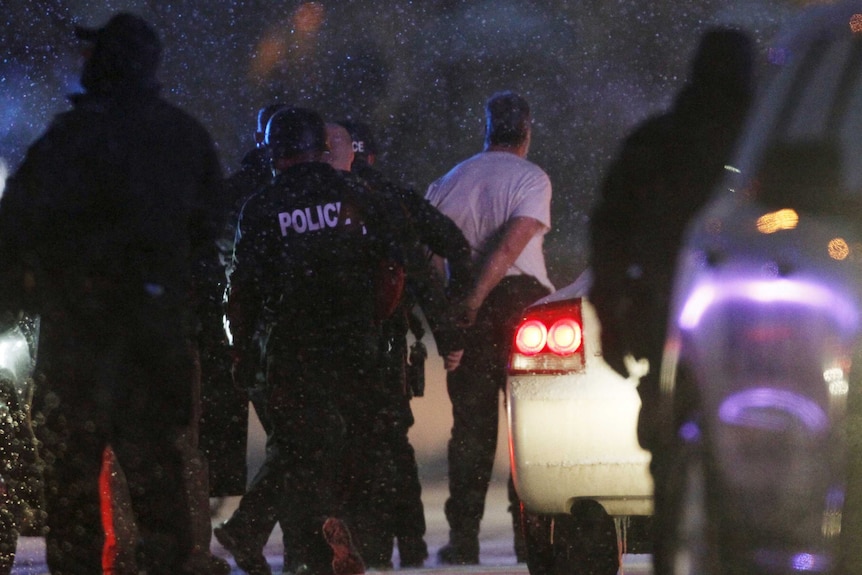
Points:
(497, 555)
(429, 436)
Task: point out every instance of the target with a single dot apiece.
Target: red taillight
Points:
(549, 339)
(564, 337)
(531, 337)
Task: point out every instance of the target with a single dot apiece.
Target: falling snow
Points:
(418, 71)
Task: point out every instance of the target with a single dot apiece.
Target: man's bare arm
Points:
(519, 231)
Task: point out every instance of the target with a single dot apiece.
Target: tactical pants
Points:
(125, 383)
(392, 506)
(474, 389)
(319, 456)
(407, 510)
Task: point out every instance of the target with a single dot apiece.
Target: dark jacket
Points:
(255, 171)
(421, 228)
(225, 404)
(125, 188)
(665, 172)
(308, 249)
(114, 213)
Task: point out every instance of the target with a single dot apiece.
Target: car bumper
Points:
(575, 437)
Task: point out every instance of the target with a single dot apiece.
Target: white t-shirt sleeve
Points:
(533, 199)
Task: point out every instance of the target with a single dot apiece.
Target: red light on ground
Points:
(856, 23)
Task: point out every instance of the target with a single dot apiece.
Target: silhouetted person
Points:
(110, 227)
(224, 421)
(665, 172)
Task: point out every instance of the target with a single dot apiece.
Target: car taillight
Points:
(531, 337)
(549, 339)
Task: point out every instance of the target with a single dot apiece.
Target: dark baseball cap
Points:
(128, 42)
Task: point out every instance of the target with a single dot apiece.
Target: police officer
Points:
(420, 228)
(256, 166)
(224, 420)
(305, 264)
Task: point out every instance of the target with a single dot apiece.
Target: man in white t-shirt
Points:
(502, 203)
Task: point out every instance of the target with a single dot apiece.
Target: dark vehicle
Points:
(20, 478)
(759, 364)
(583, 480)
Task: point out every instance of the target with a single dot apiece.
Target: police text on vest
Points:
(311, 219)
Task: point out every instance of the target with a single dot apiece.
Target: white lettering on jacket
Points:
(310, 219)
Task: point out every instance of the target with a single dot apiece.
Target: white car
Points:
(575, 459)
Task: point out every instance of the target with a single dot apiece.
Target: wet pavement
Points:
(497, 555)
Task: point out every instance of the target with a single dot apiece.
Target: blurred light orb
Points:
(856, 23)
(838, 249)
(309, 17)
(778, 56)
(772, 222)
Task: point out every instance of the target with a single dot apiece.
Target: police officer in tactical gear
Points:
(225, 411)
(306, 262)
(421, 230)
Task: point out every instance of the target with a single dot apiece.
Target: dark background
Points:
(419, 71)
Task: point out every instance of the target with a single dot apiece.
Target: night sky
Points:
(418, 71)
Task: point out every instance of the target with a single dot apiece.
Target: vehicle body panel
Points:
(574, 435)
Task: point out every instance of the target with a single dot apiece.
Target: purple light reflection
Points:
(782, 290)
(689, 432)
(805, 562)
(757, 408)
(810, 562)
(835, 498)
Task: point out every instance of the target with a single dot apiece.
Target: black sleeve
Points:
(21, 224)
(616, 240)
(444, 238)
(616, 217)
(438, 234)
(245, 300)
(427, 290)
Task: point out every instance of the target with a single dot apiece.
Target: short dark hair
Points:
(507, 119)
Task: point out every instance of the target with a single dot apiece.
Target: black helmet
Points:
(292, 131)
